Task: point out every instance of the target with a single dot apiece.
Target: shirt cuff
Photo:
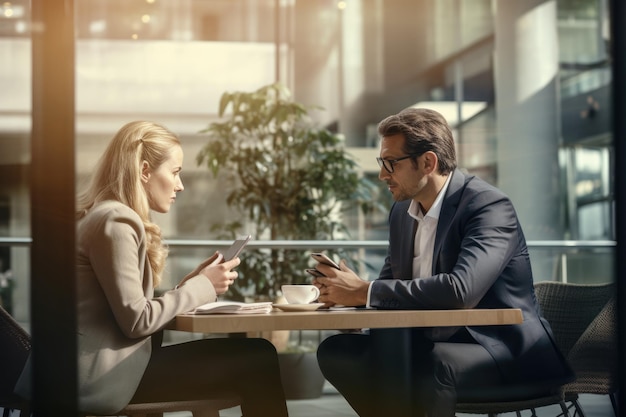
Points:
(369, 292)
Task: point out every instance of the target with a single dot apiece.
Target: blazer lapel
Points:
(448, 210)
(405, 227)
(411, 224)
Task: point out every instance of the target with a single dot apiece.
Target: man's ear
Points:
(430, 161)
(145, 171)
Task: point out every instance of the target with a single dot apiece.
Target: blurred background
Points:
(526, 87)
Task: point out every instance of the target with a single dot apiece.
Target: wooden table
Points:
(390, 332)
(343, 319)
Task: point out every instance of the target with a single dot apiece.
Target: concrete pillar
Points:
(528, 117)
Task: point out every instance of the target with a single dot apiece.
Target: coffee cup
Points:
(300, 294)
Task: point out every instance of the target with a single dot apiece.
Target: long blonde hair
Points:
(118, 177)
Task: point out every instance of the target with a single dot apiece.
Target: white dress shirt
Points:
(424, 242)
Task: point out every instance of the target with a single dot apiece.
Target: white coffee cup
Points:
(300, 294)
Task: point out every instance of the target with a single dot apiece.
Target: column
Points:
(528, 117)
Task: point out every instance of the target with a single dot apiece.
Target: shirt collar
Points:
(415, 211)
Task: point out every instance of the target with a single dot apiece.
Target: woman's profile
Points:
(120, 260)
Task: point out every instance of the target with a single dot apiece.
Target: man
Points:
(454, 242)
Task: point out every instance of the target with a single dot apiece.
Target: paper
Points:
(233, 307)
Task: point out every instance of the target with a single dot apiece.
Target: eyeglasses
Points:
(388, 163)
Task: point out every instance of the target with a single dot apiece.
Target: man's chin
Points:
(398, 196)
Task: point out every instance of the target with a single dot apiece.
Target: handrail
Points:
(335, 244)
(15, 241)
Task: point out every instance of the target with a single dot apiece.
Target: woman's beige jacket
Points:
(116, 312)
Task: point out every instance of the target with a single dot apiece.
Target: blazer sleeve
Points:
(119, 261)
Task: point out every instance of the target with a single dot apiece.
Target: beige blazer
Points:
(117, 311)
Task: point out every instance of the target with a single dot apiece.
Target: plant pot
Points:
(279, 338)
(301, 375)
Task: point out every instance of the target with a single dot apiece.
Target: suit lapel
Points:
(408, 226)
(410, 246)
(448, 210)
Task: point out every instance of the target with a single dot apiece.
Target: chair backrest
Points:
(570, 308)
(15, 345)
(584, 323)
(594, 357)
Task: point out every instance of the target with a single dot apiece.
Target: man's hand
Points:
(343, 286)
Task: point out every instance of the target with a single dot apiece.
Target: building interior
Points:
(526, 86)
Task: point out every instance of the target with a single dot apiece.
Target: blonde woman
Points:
(120, 259)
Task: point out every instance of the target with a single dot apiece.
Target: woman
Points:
(120, 260)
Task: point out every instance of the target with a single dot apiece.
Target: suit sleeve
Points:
(118, 258)
(478, 244)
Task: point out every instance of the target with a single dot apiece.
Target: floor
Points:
(331, 404)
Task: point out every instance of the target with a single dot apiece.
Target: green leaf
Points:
(288, 179)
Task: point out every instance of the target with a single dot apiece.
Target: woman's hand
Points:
(216, 257)
(221, 274)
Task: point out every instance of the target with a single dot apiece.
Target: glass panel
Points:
(170, 60)
(15, 126)
(177, 20)
(592, 173)
(15, 19)
(594, 221)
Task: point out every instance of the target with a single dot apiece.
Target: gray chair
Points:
(15, 345)
(586, 334)
(571, 310)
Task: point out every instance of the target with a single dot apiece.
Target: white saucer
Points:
(298, 307)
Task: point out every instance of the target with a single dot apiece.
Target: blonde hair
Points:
(118, 177)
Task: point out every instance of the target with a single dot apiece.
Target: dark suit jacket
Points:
(480, 260)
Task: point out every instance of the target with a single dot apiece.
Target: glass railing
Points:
(559, 252)
(581, 261)
(582, 80)
(553, 260)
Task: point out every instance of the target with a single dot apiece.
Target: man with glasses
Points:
(454, 242)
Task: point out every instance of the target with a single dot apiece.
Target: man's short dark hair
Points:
(424, 130)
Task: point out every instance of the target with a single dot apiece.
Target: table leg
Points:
(392, 352)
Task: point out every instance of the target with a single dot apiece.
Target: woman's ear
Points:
(145, 171)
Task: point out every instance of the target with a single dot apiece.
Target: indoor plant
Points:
(287, 179)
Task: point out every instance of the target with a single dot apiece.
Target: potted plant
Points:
(286, 179)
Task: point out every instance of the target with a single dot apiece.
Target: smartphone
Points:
(236, 248)
(314, 272)
(323, 259)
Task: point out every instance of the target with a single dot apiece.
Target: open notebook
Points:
(233, 307)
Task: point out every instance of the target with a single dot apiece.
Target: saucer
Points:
(298, 307)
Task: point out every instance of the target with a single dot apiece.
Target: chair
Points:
(586, 335)
(15, 345)
(570, 309)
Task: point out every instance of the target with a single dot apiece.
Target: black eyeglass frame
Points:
(382, 163)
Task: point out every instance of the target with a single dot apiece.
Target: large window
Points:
(359, 60)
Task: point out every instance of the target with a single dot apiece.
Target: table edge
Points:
(336, 320)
